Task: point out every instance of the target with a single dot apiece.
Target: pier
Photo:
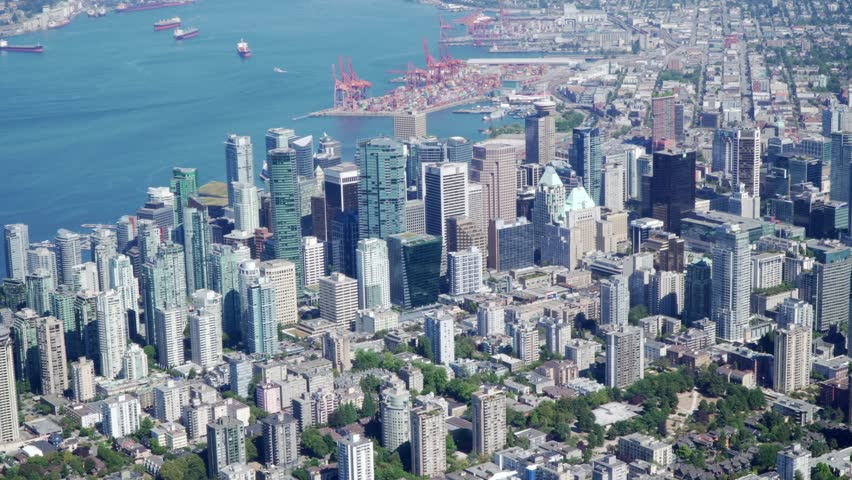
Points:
(339, 112)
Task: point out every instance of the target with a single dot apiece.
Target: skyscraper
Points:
(341, 189)
(112, 332)
(8, 394)
(373, 274)
(163, 284)
(285, 208)
(465, 271)
(792, 358)
(541, 133)
(226, 445)
(184, 185)
(395, 412)
(171, 320)
(510, 244)
(794, 462)
(51, 348)
(459, 149)
(841, 165)
(415, 262)
(42, 258)
(196, 242)
(698, 291)
(339, 299)
(280, 440)
(428, 440)
(39, 286)
(625, 356)
(313, 254)
(304, 147)
(121, 280)
(489, 420)
(68, 254)
(440, 329)
(731, 282)
(673, 187)
(205, 328)
(17, 242)
(246, 207)
(724, 146)
(663, 119)
(587, 160)
(445, 196)
(282, 277)
(335, 347)
(239, 162)
(83, 380)
(381, 188)
(223, 277)
(355, 458)
(615, 301)
(409, 124)
(261, 335)
(525, 343)
(827, 286)
(549, 206)
(493, 166)
(747, 168)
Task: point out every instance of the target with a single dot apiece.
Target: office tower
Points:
(280, 440)
(184, 185)
(476, 204)
(68, 254)
(239, 162)
(587, 160)
(355, 458)
(615, 301)
(493, 166)
(313, 254)
(344, 241)
(794, 463)
(526, 343)
(125, 232)
(160, 213)
(415, 263)
(373, 274)
(196, 243)
(666, 293)
(841, 166)
(39, 287)
(304, 148)
(278, 138)
(609, 467)
(490, 320)
(747, 172)
(673, 187)
(549, 204)
(625, 357)
(163, 284)
(440, 329)
(613, 183)
(50, 334)
(540, 130)
(795, 312)
(420, 152)
(489, 420)
(640, 230)
(663, 121)
(680, 134)
(698, 291)
(17, 242)
(341, 189)
(381, 188)
(407, 125)
(836, 119)
(338, 299)
(428, 440)
(249, 273)
(246, 207)
(766, 269)
(42, 258)
(415, 216)
(395, 410)
(510, 244)
(205, 328)
(731, 282)
(724, 146)
(319, 223)
(8, 393)
(112, 332)
(134, 365)
(162, 195)
(285, 208)
(445, 196)
(83, 380)
(122, 415)
(223, 277)
(460, 150)
(827, 286)
(171, 321)
(792, 358)
(465, 271)
(226, 445)
(329, 152)
(282, 277)
(335, 347)
(261, 334)
(463, 233)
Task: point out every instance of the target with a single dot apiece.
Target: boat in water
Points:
(91, 12)
(57, 24)
(278, 70)
(167, 23)
(102, 12)
(5, 47)
(243, 49)
(181, 34)
(138, 7)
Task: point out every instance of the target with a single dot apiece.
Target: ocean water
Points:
(112, 106)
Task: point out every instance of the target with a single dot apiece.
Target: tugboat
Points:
(243, 49)
(181, 34)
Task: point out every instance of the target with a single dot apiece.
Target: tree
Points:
(251, 448)
(189, 467)
(451, 445)
(369, 408)
(424, 348)
(822, 472)
(313, 443)
(343, 416)
(465, 347)
(366, 360)
(767, 456)
(637, 313)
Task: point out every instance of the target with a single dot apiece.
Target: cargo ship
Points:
(54, 25)
(5, 47)
(181, 34)
(166, 24)
(243, 49)
(125, 8)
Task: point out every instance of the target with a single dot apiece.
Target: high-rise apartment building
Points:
(794, 463)
(246, 207)
(226, 444)
(625, 356)
(526, 343)
(663, 121)
(282, 277)
(313, 255)
(68, 254)
(261, 335)
(355, 458)
(8, 393)
(286, 209)
(747, 168)
(39, 287)
(827, 285)
(339, 299)
(280, 440)
(239, 163)
(490, 320)
(395, 411)
(112, 332)
(440, 329)
(541, 133)
(381, 188)
(171, 321)
(16, 243)
(373, 274)
(205, 328)
(50, 333)
(792, 358)
(489, 420)
(464, 233)
(184, 185)
(83, 380)
(121, 415)
(615, 301)
(335, 347)
(223, 277)
(465, 271)
(731, 282)
(428, 440)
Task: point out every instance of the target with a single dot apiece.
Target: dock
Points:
(339, 112)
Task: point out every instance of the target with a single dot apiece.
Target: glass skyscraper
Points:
(673, 187)
(381, 188)
(286, 216)
(415, 264)
(184, 184)
(587, 160)
(239, 159)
